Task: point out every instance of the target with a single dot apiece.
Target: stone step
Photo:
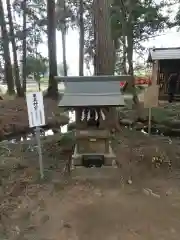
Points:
(82, 173)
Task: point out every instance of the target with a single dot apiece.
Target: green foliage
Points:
(36, 66)
(177, 17)
(132, 24)
(147, 20)
(60, 69)
(67, 138)
(66, 15)
(36, 23)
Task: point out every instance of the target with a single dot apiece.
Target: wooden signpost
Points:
(150, 101)
(36, 117)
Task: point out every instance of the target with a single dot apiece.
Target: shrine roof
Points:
(92, 93)
(163, 54)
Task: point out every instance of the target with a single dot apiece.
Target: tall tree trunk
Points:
(24, 46)
(105, 52)
(127, 32)
(130, 39)
(63, 34)
(13, 42)
(53, 86)
(124, 57)
(81, 38)
(6, 53)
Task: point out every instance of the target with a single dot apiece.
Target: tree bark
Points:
(124, 60)
(81, 47)
(104, 46)
(6, 53)
(130, 39)
(13, 42)
(127, 32)
(81, 38)
(51, 29)
(130, 63)
(63, 33)
(104, 50)
(24, 46)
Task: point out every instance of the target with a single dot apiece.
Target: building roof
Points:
(163, 54)
(105, 78)
(94, 91)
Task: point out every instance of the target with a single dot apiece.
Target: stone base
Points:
(109, 158)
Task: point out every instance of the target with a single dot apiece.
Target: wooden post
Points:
(149, 120)
(155, 72)
(152, 94)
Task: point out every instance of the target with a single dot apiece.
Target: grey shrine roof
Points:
(92, 91)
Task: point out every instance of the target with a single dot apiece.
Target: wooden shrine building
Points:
(165, 61)
(92, 98)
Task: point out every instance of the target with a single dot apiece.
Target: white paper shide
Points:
(35, 108)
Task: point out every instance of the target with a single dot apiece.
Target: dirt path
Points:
(94, 211)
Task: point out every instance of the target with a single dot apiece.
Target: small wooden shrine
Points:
(165, 61)
(92, 98)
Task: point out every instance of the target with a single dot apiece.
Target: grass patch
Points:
(44, 80)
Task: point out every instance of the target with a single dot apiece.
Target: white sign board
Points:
(151, 96)
(35, 108)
